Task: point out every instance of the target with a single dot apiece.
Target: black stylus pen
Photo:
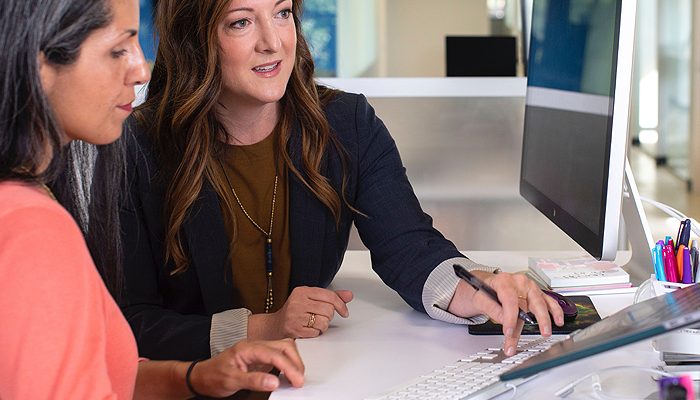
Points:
(477, 284)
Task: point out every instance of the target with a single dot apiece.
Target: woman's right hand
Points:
(307, 313)
(247, 365)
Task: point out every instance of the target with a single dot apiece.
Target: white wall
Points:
(402, 38)
(416, 31)
(695, 101)
(357, 43)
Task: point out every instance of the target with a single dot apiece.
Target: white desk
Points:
(385, 343)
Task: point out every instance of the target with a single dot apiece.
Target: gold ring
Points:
(523, 297)
(312, 320)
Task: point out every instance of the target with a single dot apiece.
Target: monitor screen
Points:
(575, 134)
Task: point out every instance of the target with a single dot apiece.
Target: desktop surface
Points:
(384, 343)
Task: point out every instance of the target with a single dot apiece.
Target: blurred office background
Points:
(460, 138)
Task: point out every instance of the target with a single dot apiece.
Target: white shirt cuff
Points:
(227, 328)
(440, 287)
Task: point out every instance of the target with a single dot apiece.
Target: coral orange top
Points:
(62, 336)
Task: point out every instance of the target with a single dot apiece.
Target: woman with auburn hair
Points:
(245, 180)
(69, 71)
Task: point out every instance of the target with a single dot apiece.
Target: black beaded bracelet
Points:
(187, 378)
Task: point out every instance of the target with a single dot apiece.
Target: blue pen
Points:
(659, 261)
(666, 240)
(654, 252)
(687, 267)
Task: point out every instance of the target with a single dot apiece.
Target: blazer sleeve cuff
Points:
(440, 287)
(227, 328)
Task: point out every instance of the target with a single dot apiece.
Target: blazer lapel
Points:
(208, 246)
(307, 225)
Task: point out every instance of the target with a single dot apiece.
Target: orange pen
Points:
(679, 262)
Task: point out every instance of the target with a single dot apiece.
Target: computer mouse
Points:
(568, 306)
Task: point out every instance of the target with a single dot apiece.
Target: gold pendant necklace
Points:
(48, 191)
(269, 300)
(43, 185)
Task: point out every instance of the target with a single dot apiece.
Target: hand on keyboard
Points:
(515, 292)
(474, 377)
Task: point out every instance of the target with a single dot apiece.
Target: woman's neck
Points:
(247, 125)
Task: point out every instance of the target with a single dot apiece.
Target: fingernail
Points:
(509, 332)
(270, 382)
(510, 351)
(547, 331)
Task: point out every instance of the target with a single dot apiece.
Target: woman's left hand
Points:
(247, 365)
(515, 292)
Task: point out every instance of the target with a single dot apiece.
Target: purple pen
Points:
(687, 267)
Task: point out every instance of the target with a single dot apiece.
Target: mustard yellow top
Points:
(251, 171)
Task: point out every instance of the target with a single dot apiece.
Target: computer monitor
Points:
(576, 124)
(525, 24)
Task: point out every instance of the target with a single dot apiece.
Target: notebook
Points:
(639, 321)
(587, 316)
(578, 271)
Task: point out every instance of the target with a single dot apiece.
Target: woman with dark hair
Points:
(69, 68)
(245, 178)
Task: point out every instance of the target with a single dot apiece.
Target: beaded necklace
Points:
(269, 300)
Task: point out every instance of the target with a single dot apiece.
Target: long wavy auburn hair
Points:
(180, 114)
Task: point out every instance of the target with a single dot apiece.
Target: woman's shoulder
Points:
(31, 220)
(339, 102)
(20, 197)
(346, 111)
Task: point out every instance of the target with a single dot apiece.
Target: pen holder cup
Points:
(685, 340)
(653, 288)
(663, 287)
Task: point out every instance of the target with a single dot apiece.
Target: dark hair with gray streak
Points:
(28, 29)
(82, 175)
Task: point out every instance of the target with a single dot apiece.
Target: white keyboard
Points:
(474, 377)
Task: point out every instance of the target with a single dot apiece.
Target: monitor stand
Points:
(636, 230)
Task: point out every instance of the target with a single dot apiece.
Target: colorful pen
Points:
(676, 387)
(687, 268)
(681, 227)
(659, 261)
(653, 262)
(679, 262)
(685, 234)
(666, 240)
(477, 284)
(670, 264)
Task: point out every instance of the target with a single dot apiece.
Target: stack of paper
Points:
(580, 274)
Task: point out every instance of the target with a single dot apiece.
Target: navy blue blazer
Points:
(171, 315)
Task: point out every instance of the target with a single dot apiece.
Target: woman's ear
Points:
(47, 73)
